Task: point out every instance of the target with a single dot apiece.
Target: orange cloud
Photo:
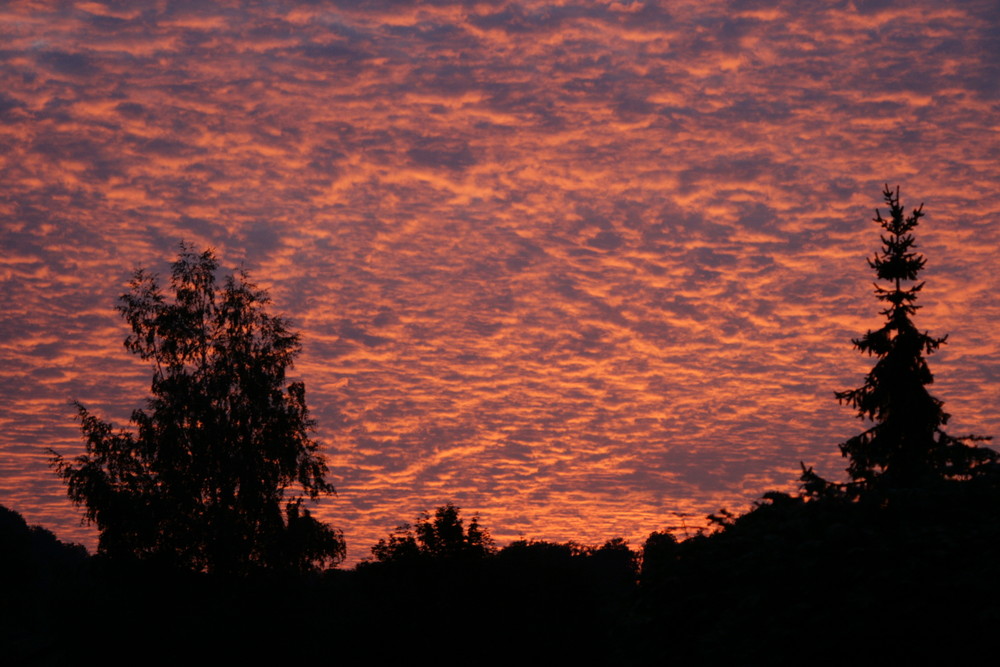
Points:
(589, 270)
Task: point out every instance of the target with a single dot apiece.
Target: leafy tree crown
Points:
(207, 480)
(443, 536)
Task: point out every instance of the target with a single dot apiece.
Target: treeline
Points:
(907, 576)
(207, 552)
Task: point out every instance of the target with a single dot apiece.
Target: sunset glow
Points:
(587, 269)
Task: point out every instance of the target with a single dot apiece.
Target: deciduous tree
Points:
(442, 536)
(214, 473)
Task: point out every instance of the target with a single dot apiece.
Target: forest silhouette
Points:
(207, 549)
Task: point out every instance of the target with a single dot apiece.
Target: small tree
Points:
(441, 537)
(205, 481)
(906, 444)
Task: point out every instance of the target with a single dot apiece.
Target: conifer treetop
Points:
(906, 444)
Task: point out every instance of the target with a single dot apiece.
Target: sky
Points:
(587, 269)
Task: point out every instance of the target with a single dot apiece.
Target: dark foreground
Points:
(909, 576)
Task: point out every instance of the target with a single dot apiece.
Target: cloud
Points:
(581, 267)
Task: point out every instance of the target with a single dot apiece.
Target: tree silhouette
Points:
(205, 482)
(906, 444)
(442, 537)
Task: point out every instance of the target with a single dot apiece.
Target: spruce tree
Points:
(906, 444)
